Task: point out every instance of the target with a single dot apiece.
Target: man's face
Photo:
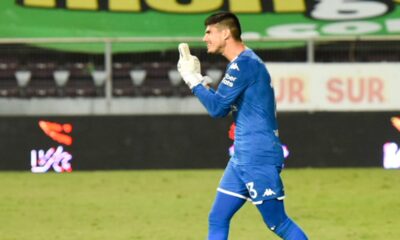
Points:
(215, 39)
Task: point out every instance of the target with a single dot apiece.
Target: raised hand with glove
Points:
(189, 67)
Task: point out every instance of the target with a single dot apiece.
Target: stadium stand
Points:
(157, 68)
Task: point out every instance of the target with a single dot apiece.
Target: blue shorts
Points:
(256, 183)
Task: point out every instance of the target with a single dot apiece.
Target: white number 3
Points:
(252, 191)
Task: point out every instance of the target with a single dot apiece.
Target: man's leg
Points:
(273, 213)
(223, 209)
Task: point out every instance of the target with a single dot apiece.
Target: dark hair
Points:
(226, 19)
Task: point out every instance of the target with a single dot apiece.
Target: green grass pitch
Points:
(328, 204)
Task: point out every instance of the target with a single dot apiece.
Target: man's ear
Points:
(226, 33)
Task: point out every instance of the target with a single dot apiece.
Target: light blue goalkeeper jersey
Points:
(246, 89)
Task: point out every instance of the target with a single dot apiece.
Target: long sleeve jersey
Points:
(246, 89)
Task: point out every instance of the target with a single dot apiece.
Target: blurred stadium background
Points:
(108, 68)
(92, 85)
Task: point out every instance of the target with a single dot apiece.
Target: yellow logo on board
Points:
(207, 6)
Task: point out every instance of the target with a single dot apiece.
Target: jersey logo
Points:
(228, 80)
(234, 66)
(276, 133)
(268, 192)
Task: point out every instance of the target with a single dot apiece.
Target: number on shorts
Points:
(252, 191)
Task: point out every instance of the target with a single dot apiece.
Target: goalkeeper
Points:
(253, 173)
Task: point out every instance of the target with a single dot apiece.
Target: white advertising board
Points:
(336, 87)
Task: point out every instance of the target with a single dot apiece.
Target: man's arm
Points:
(218, 104)
(212, 101)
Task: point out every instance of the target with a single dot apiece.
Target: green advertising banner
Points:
(184, 18)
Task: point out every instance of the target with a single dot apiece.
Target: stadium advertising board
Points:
(336, 87)
(319, 139)
(55, 158)
(391, 149)
(171, 18)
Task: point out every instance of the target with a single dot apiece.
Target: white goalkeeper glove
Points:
(189, 66)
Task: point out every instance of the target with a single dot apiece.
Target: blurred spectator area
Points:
(27, 71)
